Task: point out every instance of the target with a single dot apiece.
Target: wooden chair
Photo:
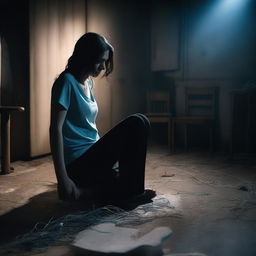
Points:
(158, 109)
(200, 109)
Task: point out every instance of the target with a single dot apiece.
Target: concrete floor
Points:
(217, 199)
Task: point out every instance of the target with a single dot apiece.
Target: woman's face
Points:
(100, 64)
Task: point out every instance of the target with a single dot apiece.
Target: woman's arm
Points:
(66, 187)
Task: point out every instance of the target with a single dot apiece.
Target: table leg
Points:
(5, 143)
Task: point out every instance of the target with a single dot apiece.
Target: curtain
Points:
(55, 26)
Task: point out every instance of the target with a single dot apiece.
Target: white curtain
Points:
(55, 26)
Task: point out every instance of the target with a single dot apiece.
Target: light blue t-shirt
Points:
(79, 128)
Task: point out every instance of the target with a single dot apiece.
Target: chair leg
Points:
(186, 137)
(173, 135)
(169, 134)
(211, 135)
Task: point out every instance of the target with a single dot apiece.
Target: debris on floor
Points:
(166, 175)
(108, 238)
(62, 231)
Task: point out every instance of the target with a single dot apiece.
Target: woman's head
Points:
(92, 54)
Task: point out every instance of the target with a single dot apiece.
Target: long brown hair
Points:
(87, 51)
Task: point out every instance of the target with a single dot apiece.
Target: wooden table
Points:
(5, 112)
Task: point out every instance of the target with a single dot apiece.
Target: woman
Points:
(84, 162)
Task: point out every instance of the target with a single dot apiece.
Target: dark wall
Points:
(221, 39)
(14, 25)
(216, 48)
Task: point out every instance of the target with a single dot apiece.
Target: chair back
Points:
(158, 102)
(201, 101)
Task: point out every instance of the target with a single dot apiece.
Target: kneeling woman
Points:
(83, 161)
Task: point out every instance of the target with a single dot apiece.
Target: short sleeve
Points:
(61, 92)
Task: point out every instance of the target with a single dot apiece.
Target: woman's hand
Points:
(68, 190)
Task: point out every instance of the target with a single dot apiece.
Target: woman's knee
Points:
(139, 120)
(145, 119)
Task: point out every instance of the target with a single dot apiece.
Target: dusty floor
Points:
(216, 198)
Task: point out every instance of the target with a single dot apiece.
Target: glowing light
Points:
(223, 18)
(228, 5)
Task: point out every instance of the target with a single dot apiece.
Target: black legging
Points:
(126, 143)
